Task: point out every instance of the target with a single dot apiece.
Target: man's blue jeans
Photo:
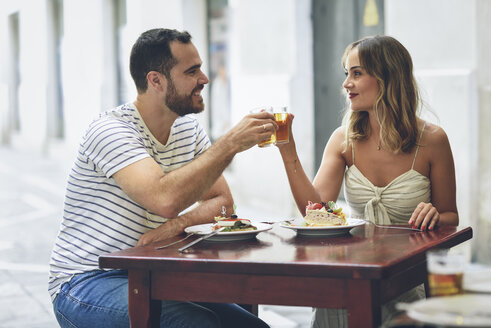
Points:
(100, 299)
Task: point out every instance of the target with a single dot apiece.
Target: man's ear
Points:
(156, 81)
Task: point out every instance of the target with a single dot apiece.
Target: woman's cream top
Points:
(391, 204)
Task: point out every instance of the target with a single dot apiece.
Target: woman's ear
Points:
(156, 81)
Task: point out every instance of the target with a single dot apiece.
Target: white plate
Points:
(479, 286)
(203, 229)
(322, 231)
(477, 279)
(468, 310)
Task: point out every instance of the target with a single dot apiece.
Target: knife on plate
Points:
(194, 242)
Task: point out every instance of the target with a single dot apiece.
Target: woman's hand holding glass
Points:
(289, 139)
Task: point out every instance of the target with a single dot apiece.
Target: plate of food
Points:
(234, 228)
(323, 219)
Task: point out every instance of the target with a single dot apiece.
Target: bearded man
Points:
(139, 167)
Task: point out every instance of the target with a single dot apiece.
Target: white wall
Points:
(450, 44)
(87, 86)
(443, 46)
(483, 31)
(32, 88)
(271, 64)
(452, 95)
(82, 66)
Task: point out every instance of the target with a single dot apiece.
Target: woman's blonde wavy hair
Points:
(398, 101)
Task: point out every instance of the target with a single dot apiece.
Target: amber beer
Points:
(272, 139)
(445, 273)
(268, 142)
(282, 135)
(283, 132)
(445, 284)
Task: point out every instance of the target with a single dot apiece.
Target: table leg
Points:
(143, 311)
(364, 308)
(252, 308)
(426, 282)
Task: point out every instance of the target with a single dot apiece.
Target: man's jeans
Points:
(100, 299)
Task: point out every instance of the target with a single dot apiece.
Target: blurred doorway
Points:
(218, 54)
(55, 121)
(336, 23)
(14, 78)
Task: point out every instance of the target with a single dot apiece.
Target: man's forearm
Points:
(206, 211)
(194, 180)
(168, 194)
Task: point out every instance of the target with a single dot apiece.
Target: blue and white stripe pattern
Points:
(98, 216)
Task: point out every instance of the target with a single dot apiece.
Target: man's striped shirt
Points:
(98, 216)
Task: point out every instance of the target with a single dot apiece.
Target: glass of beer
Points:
(272, 139)
(281, 118)
(445, 272)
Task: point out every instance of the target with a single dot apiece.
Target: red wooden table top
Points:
(366, 252)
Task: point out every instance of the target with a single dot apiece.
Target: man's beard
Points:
(181, 104)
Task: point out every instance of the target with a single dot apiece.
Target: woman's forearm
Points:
(300, 184)
(449, 218)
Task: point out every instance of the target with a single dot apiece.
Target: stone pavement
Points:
(31, 202)
(31, 198)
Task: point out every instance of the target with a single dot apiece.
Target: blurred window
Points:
(218, 47)
(337, 23)
(55, 83)
(14, 72)
(114, 22)
(119, 10)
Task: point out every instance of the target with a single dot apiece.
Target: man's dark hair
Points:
(151, 52)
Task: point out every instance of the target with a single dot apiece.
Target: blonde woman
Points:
(397, 168)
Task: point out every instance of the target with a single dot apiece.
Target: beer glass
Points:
(445, 272)
(281, 118)
(272, 139)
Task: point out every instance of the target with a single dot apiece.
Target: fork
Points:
(389, 227)
(177, 241)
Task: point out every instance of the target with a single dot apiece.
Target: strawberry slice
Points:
(314, 206)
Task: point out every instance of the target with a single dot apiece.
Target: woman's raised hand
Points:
(290, 123)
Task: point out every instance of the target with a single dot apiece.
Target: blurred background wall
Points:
(62, 62)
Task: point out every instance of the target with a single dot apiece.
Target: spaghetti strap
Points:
(353, 152)
(417, 147)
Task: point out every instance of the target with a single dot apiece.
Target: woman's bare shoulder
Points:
(338, 137)
(434, 134)
(340, 132)
(435, 140)
(336, 141)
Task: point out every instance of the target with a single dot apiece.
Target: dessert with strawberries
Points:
(322, 214)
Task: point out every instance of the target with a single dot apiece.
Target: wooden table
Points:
(359, 271)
